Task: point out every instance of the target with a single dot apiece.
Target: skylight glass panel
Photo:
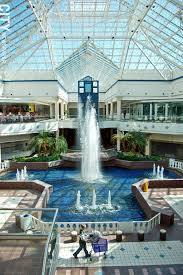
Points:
(131, 34)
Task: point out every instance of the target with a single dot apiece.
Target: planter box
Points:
(34, 165)
(135, 164)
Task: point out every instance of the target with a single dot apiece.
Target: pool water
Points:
(66, 183)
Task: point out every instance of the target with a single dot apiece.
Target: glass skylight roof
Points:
(132, 34)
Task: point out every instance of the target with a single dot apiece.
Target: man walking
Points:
(82, 243)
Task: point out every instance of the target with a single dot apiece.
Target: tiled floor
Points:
(21, 257)
(137, 270)
(176, 202)
(126, 254)
(7, 202)
(29, 197)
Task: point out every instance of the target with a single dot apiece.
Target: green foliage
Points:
(130, 156)
(61, 145)
(38, 158)
(46, 144)
(132, 141)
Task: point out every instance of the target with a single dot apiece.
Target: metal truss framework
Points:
(131, 34)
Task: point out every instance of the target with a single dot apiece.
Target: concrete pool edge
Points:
(44, 188)
(147, 204)
(115, 162)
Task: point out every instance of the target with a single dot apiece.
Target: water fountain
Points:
(154, 169)
(22, 176)
(78, 201)
(90, 139)
(94, 200)
(25, 172)
(161, 172)
(109, 204)
(158, 172)
(18, 175)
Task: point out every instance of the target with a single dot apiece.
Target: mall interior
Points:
(129, 55)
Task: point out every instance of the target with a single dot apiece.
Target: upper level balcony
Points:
(10, 128)
(161, 125)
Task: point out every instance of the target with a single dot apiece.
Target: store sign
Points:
(5, 17)
(4, 27)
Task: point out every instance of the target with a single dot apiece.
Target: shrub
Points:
(130, 156)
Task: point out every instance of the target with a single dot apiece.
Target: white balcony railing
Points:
(28, 128)
(176, 164)
(107, 228)
(4, 165)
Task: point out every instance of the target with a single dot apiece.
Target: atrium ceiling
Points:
(101, 38)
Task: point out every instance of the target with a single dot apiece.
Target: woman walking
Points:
(82, 243)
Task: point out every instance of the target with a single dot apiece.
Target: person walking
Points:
(82, 243)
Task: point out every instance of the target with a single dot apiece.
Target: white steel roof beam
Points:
(143, 15)
(156, 48)
(163, 56)
(39, 19)
(21, 51)
(178, 3)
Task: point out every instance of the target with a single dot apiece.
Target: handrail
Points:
(47, 243)
(176, 164)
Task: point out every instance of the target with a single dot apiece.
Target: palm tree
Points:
(44, 144)
(132, 141)
(61, 145)
(122, 139)
(140, 141)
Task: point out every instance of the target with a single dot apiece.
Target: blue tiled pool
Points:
(66, 182)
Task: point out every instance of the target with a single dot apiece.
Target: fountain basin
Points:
(66, 182)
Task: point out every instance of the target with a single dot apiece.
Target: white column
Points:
(66, 110)
(118, 141)
(166, 111)
(62, 110)
(155, 111)
(57, 110)
(107, 110)
(118, 109)
(111, 113)
(150, 112)
(148, 148)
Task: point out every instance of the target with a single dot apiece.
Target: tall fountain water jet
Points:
(161, 172)
(158, 172)
(90, 168)
(94, 198)
(109, 204)
(78, 202)
(18, 175)
(154, 169)
(22, 176)
(25, 172)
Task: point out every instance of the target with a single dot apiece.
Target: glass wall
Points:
(153, 111)
(23, 112)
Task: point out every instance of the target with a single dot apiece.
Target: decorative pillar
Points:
(119, 109)
(148, 148)
(111, 113)
(150, 112)
(107, 110)
(57, 110)
(118, 141)
(166, 111)
(62, 110)
(155, 111)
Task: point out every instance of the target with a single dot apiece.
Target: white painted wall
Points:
(141, 90)
(28, 128)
